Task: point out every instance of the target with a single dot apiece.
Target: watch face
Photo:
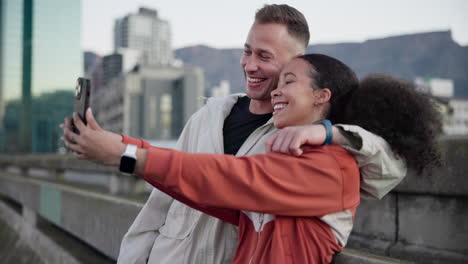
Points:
(127, 164)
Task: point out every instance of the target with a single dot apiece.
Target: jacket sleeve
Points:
(141, 143)
(310, 185)
(138, 241)
(381, 170)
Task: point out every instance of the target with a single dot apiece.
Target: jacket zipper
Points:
(258, 238)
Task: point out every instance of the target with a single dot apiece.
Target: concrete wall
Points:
(426, 217)
(98, 219)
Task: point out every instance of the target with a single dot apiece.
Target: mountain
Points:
(433, 54)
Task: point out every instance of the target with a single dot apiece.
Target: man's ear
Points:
(323, 95)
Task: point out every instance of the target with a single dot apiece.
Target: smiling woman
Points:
(311, 88)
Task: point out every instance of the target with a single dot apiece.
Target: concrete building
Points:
(222, 90)
(143, 93)
(40, 56)
(454, 110)
(456, 120)
(107, 103)
(90, 61)
(443, 88)
(150, 102)
(145, 32)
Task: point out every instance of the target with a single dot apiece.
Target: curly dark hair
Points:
(407, 119)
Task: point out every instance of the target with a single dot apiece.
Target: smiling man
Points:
(167, 231)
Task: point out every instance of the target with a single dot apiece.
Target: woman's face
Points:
(295, 101)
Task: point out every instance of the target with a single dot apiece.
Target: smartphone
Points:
(82, 97)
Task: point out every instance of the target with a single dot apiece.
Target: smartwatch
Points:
(128, 159)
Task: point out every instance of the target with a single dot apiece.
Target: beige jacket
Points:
(167, 231)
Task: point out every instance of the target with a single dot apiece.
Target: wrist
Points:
(328, 132)
(141, 161)
(120, 149)
(128, 159)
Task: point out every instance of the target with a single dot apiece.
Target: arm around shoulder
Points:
(381, 169)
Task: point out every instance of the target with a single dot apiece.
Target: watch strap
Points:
(130, 150)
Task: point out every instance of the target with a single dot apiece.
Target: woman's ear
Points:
(323, 95)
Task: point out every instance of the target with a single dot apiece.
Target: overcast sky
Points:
(225, 24)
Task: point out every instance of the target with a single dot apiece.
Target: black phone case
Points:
(82, 94)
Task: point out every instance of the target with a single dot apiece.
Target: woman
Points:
(305, 201)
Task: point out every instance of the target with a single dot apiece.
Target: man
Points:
(166, 231)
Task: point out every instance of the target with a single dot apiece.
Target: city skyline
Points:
(330, 22)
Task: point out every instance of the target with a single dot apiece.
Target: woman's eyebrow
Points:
(288, 73)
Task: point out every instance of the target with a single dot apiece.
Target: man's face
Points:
(267, 49)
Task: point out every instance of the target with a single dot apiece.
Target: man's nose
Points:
(251, 64)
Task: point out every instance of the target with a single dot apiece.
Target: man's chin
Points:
(258, 94)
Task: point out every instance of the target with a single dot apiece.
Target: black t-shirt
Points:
(239, 124)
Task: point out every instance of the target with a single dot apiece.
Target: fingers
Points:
(72, 146)
(80, 156)
(288, 140)
(285, 145)
(70, 136)
(68, 122)
(91, 121)
(295, 146)
(78, 123)
(276, 146)
(269, 142)
(275, 142)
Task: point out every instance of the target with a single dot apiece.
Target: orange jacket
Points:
(293, 194)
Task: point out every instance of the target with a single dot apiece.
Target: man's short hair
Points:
(286, 15)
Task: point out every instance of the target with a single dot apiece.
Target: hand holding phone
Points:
(82, 99)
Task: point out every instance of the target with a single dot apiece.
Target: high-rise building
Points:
(40, 59)
(147, 33)
(91, 59)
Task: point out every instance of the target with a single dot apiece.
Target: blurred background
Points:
(152, 63)
(153, 60)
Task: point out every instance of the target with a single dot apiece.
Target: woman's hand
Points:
(93, 143)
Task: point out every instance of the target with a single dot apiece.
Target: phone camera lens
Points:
(78, 90)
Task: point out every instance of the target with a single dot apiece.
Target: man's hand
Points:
(295, 139)
(93, 143)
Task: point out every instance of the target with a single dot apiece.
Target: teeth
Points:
(279, 106)
(254, 80)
